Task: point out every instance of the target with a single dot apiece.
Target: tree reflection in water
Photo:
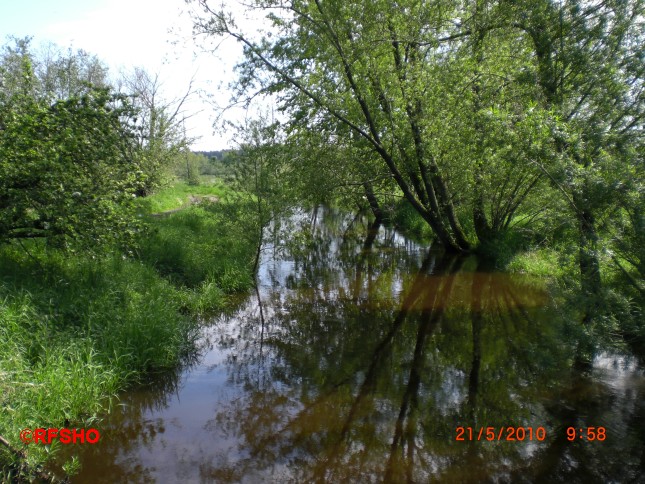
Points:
(368, 354)
(366, 383)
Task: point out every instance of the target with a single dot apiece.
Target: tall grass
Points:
(72, 336)
(75, 331)
(201, 245)
(47, 375)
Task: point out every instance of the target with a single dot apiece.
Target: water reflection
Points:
(358, 359)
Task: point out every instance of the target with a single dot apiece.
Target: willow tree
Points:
(468, 105)
(589, 60)
(365, 66)
(259, 161)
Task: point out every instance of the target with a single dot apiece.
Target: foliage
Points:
(518, 125)
(219, 164)
(190, 166)
(65, 74)
(408, 99)
(67, 170)
(496, 122)
(407, 219)
(50, 73)
(589, 68)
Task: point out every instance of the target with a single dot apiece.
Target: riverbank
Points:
(75, 330)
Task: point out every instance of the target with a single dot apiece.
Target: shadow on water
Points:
(365, 356)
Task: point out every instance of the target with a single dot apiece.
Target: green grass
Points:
(406, 218)
(45, 377)
(538, 262)
(179, 195)
(76, 330)
(200, 246)
(75, 334)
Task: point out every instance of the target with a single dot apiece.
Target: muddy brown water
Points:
(360, 362)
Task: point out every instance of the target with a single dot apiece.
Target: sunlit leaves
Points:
(66, 169)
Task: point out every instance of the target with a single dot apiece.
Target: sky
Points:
(154, 34)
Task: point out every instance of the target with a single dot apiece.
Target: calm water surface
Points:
(359, 359)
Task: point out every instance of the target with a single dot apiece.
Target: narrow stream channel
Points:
(366, 356)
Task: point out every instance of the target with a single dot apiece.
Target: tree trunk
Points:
(482, 227)
(373, 202)
(590, 282)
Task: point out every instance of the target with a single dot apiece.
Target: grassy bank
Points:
(76, 330)
(616, 311)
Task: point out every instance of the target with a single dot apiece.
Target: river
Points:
(367, 357)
